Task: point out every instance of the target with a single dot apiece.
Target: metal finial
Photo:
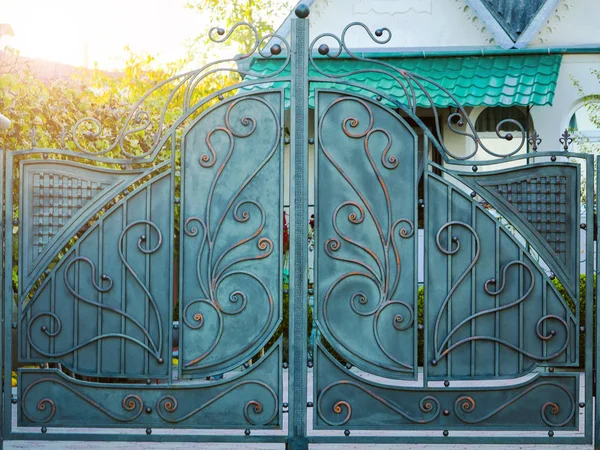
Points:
(302, 11)
(535, 140)
(566, 139)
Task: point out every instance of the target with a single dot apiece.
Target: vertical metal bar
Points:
(591, 361)
(5, 420)
(298, 311)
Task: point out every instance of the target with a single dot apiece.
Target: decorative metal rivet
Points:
(286, 141)
(553, 332)
(311, 291)
(177, 200)
(14, 325)
(508, 136)
(285, 404)
(551, 433)
(446, 412)
(220, 31)
(346, 432)
(148, 410)
(474, 168)
(473, 194)
(104, 276)
(309, 364)
(246, 365)
(161, 361)
(446, 383)
(247, 432)
(583, 226)
(220, 97)
(551, 369)
(553, 158)
(15, 222)
(309, 404)
(348, 366)
(44, 328)
(143, 238)
(434, 362)
(44, 430)
(41, 365)
(302, 11)
(13, 399)
(46, 272)
(311, 141)
(420, 327)
(379, 98)
(379, 32)
(148, 431)
(323, 49)
(45, 155)
(582, 329)
(581, 404)
(551, 275)
(421, 202)
(445, 433)
(126, 192)
(455, 239)
(275, 49)
(285, 365)
(148, 381)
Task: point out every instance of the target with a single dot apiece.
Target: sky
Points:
(81, 32)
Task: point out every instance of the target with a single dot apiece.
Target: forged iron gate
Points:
(491, 345)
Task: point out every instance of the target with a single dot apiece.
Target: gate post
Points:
(298, 311)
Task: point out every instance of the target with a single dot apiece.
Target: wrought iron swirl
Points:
(428, 405)
(213, 269)
(130, 403)
(443, 348)
(167, 405)
(409, 82)
(374, 269)
(465, 406)
(153, 347)
(139, 121)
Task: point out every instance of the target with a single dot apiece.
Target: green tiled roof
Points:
(474, 81)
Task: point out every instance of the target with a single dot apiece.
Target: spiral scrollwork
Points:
(167, 405)
(429, 406)
(412, 84)
(443, 348)
(382, 267)
(465, 406)
(214, 268)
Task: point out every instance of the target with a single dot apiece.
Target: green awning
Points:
(474, 81)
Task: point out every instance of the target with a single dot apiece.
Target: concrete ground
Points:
(75, 445)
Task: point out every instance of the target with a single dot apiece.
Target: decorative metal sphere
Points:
(148, 431)
(323, 49)
(346, 432)
(379, 32)
(302, 11)
(247, 432)
(445, 433)
(275, 49)
(220, 31)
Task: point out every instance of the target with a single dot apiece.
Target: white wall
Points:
(414, 23)
(551, 121)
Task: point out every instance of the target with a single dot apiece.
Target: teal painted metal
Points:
(97, 230)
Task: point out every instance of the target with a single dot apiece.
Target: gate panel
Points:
(231, 224)
(348, 401)
(491, 311)
(366, 245)
(104, 309)
(249, 400)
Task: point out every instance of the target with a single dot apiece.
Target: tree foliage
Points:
(265, 15)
